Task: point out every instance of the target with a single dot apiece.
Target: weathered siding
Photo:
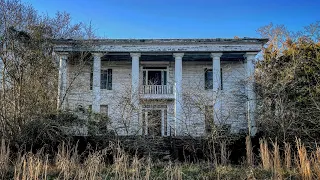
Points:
(195, 97)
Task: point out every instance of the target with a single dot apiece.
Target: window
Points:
(105, 81)
(104, 109)
(208, 76)
(154, 76)
(208, 118)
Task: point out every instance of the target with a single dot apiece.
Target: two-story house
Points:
(162, 87)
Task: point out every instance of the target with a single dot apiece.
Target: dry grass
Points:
(277, 167)
(4, 158)
(249, 151)
(303, 162)
(287, 156)
(67, 164)
(265, 155)
(173, 172)
(316, 163)
(31, 166)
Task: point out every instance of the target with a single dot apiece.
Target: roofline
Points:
(245, 40)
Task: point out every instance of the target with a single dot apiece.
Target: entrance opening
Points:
(155, 76)
(154, 121)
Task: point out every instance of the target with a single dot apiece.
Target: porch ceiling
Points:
(169, 57)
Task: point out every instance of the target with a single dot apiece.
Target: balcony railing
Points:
(157, 89)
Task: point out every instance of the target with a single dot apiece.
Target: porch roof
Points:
(161, 45)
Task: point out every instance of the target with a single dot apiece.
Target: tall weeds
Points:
(303, 163)
(31, 166)
(67, 160)
(287, 155)
(4, 158)
(277, 166)
(316, 162)
(265, 155)
(249, 151)
(69, 164)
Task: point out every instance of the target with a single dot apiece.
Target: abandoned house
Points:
(161, 87)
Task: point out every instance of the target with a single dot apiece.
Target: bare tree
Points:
(29, 66)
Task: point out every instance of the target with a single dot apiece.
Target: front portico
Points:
(157, 70)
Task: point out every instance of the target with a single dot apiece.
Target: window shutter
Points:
(221, 85)
(109, 86)
(91, 80)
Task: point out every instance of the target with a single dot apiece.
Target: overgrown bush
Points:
(288, 88)
(40, 132)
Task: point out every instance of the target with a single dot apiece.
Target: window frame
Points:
(206, 87)
(106, 107)
(108, 81)
(205, 79)
(164, 74)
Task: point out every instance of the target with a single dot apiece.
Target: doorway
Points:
(155, 75)
(154, 121)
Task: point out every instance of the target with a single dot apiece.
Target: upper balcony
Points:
(155, 84)
(157, 92)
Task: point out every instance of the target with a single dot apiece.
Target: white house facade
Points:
(161, 87)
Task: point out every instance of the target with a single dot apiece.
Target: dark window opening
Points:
(105, 81)
(208, 76)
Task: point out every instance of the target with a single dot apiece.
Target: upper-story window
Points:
(105, 80)
(154, 76)
(208, 79)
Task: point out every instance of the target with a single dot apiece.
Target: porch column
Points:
(216, 76)
(96, 82)
(62, 84)
(135, 79)
(178, 92)
(251, 95)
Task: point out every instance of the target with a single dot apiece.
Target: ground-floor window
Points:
(208, 119)
(104, 110)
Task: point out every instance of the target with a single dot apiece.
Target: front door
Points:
(154, 122)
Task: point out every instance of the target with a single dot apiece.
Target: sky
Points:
(183, 18)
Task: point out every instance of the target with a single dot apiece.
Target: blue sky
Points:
(183, 18)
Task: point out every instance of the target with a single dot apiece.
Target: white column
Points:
(178, 92)
(135, 79)
(216, 73)
(135, 93)
(62, 83)
(251, 95)
(96, 80)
